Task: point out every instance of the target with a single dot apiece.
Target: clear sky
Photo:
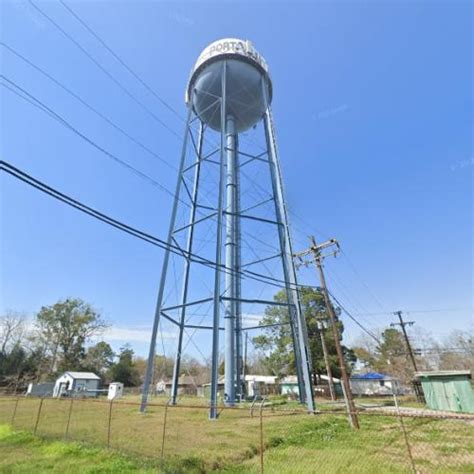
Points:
(373, 109)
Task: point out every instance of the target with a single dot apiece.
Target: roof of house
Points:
(182, 380)
(269, 379)
(371, 376)
(443, 373)
(83, 375)
(293, 379)
(334, 379)
(289, 379)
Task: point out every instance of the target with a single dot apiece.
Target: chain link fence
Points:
(259, 438)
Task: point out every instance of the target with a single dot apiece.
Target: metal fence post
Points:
(261, 437)
(405, 435)
(14, 411)
(38, 415)
(66, 434)
(110, 423)
(164, 433)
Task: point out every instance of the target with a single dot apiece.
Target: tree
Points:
(99, 358)
(63, 329)
(124, 369)
(457, 351)
(12, 330)
(18, 367)
(389, 357)
(277, 342)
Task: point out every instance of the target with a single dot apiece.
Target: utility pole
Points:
(416, 385)
(318, 258)
(402, 324)
(321, 330)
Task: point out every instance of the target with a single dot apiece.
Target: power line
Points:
(351, 264)
(86, 104)
(119, 59)
(363, 282)
(42, 106)
(104, 70)
(367, 331)
(37, 184)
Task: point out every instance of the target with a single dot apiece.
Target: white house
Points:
(374, 383)
(73, 384)
(257, 385)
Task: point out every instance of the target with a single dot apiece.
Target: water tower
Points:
(228, 99)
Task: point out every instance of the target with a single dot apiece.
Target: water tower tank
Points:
(248, 84)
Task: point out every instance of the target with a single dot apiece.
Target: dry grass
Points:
(292, 440)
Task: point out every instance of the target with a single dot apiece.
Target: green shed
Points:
(448, 390)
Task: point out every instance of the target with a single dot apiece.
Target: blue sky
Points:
(373, 109)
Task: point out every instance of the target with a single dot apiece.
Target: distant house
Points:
(259, 385)
(448, 390)
(289, 386)
(77, 384)
(374, 384)
(40, 389)
(255, 386)
(186, 386)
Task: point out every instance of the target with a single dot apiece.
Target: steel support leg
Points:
(237, 278)
(187, 267)
(217, 275)
(164, 270)
(230, 304)
(297, 321)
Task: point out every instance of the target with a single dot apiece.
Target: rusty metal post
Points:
(164, 434)
(38, 415)
(66, 434)
(261, 437)
(110, 423)
(14, 411)
(405, 435)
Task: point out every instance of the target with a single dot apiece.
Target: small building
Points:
(115, 391)
(260, 385)
(77, 384)
(40, 389)
(374, 384)
(186, 386)
(448, 390)
(289, 386)
(255, 386)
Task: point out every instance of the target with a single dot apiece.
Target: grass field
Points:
(291, 441)
(21, 452)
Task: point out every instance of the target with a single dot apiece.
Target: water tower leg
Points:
(187, 265)
(164, 270)
(237, 278)
(217, 274)
(230, 250)
(297, 321)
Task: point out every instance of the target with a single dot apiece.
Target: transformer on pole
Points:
(228, 96)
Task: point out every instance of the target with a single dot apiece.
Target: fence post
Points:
(14, 411)
(66, 434)
(110, 423)
(261, 436)
(38, 414)
(163, 437)
(405, 435)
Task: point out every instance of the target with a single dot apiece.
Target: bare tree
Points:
(12, 330)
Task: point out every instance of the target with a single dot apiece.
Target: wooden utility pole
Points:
(315, 250)
(321, 330)
(402, 324)
(416, 385)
